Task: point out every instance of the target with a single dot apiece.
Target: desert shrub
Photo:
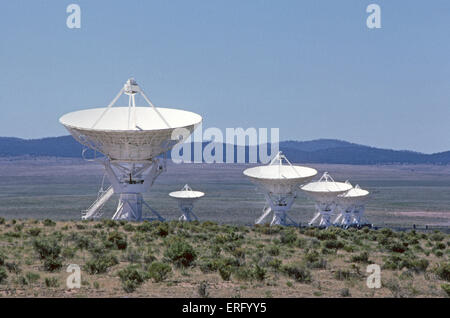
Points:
(13, 267)
(21, 280)
(2, 221)
(162, 229)
(3, 275)
(149, 258)
(408, 274)
(203, 289)
(399, 262)
(297, 272)
(18, 227)
(225, 272)
(2, 259)
(47, 248)
(361, 258)
(48, 222)
(273, 250)
(274, 263)
(344, 274)
(440, 246)
(438, 253)
(117, 240)
(326, 235)
(302, 242)
(443, 271)
(333, 244)
(49, 251)
(159, 271)
(34, 231)
(446, 289)
(110, 223)
(52, 264)
(128, 227)
(82, 242)
(397, 247)
(267, 229)
(288, 237)
(99, 264)
(387, 232)
(131, 277)
(243, 273)
(133, 256)
(344, 292)
(437, 236)
(259, 272)
(32, 277)
(51, 282)
(68, 252)
(208, 265)
(180, 252)
(145, 226)
(238, 252)
(313, 260)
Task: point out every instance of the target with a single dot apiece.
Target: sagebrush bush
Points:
(49, 251)
(47, 248)
(180, 252)
(443, 271)
(100, 264)
(32, 277)
(259, 272)
(13, 267)
(2, 259)
(48, 222)
(298, 272)
(437, 236)
(361, 258)
(225, 272)
(51, 282)
(3, 275)
(132, 276)
(117, 240)
(34, 231)
(288, 237)
(344, 274)
(159, 271)
(446, 289)
(333, 244)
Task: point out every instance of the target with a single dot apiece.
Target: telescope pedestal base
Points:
(324, 212)
(279, 206)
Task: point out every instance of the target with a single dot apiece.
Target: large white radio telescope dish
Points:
(324, 192)
(186, 198)
(280, 183)
(131, 138)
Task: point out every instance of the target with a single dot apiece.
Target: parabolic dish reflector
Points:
(326, 189)
(132, 133)
(151, 137)
(186, 194)
(278, 178)
(354, 195)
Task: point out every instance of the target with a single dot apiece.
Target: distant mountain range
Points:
(314, 151)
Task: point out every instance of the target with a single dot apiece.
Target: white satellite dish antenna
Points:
(279, 183)
(186, 198)
(131, 137)
(352, 207)
(324, 192)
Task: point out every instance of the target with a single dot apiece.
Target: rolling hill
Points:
(314, 151)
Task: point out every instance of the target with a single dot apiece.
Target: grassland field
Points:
(58, 188)
(176, 259)
(224, 255)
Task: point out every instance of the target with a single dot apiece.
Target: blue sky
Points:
(311, 68)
